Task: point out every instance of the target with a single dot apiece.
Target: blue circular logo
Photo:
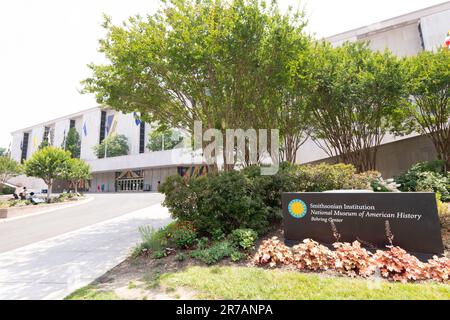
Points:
(297, 208)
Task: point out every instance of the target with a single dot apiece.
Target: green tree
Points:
(72, 143)
(44, 144)
(8, 168)
(428, 107)
(220, 62)
(164, 140)
(76, 172)
(356, 101)
(115, 145)
(49, 163)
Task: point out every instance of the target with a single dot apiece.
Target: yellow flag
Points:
(35, 142)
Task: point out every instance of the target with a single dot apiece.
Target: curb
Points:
(77, 203)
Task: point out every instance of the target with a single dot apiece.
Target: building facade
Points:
(139, 170)
(143, 170)
(405, 35)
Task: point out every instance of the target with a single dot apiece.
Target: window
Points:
(46, 134)
(72, 124)
(24, 146)
(142, 137)
(102, 126)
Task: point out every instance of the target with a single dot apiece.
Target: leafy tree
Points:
(44, 144)
(164, 140)
(428, 108)
(220, 62)
(115, 145)
(77, 171)
(49, 163)
(8, 168)
(72, 143)
(356, 101)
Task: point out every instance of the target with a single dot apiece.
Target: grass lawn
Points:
(91, 293)
(255, 283)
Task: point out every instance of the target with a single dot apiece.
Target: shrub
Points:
(426, 176)
(352, 260)
(273, 252)
(323, 177)
(237, 256)
(180, 257)
(438, 268)
(153, 239)
(398, 265)
(270, 188)
(218, 201)
(184, 235)
(244, 238)
(215, 252)
(313, 256)
(7, 190)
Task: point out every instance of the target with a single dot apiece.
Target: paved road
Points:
(58, 252)
(18, 233)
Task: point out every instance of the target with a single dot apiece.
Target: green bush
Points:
(215, 253)
(153, 239)
(218, 201)
(180, 257)
(184, 238)
(270, 188)
(426, 176)
(244, 238)
(323, 177)
(7, 190)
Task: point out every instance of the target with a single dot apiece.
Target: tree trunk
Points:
(76, 186)
(49, 191)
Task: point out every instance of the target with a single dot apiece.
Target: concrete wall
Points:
(107, 179)
(402, 41)
(16, 152)
(396, 157)
(61, 129)
(152, 176)
(91, 139)
(435, 28)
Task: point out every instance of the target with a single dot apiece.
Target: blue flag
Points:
(85, 129)
(137, 120)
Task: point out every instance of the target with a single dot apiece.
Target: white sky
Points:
(46, 44)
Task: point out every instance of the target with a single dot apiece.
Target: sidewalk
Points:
(53, 268)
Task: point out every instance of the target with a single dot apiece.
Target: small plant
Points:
(244, 238)
(180, 257)
(334, 230)
(214, 253)
(389, 234)
(398, 265)
(352, 260)
(273, 252)
(237, 256)
(202, 243)
(159, 254)
(184, 235)
(313, 256)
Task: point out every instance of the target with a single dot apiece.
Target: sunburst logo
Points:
(297, 208)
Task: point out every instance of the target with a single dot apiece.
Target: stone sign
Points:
(411, 217)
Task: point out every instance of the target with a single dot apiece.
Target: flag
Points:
(113, 127)
(137, 120)
(85, 129)
(109, 121)
(21, 145)
(35, 142)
